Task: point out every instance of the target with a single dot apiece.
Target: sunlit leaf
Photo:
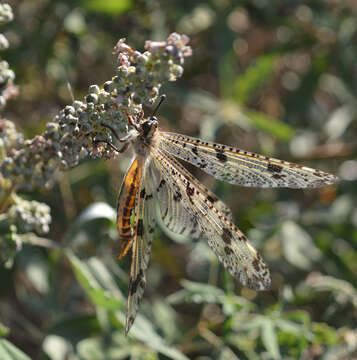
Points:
(144, 331)
(37, 272)
(269, 125)
(342, 291)
(165, 317)
(110, 7)
(9, 351)
(325, 334)
(98, 285)
(90, 226)
(94, 211)
(96, 349)
(253, 78)
(199, 293)
(288, 326)
(270, 339)
(56, 347)
(298, 246)
(227, 354)
(3, 330)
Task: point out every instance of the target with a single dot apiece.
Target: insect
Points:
(186, 206)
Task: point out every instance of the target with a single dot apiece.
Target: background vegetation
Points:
(274, 77)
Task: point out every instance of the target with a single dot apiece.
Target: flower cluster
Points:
(71, 135)
(7, 76)
(9, 137)
(22, 217)
(6, 14)
(29, 216)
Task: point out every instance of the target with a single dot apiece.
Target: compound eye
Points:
(154, 118)
(146, 127)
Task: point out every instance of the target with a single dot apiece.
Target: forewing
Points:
(232, 248)
(144, 233)
(241, 167)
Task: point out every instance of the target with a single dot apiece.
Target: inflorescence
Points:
(69, 138)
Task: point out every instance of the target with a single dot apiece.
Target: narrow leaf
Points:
(9, 351)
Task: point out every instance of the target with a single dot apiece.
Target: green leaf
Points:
(4, 330)
(109, 7)
(91, 225)
(99, 210)
(288, 326)
(298, 246)
(56, 347)
(37, 271)
(94, 348)
(324, 334)
(227, 354)
(253, 78)
(143, 330)
(10, 352)
(75, 328)
(270, 339)
(199, 293)
(165, 317)
(227, 74)
(97, 282)
(269, 125)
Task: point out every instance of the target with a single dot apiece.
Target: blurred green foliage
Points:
(279, 78)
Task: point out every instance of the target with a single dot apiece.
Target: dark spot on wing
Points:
(177, 196)
(274, 168)
(227, 236)
(134, 284)
(140, 228)
(194, 150)
(228, 250)
(162, 183)
(190, 191)
(211, 199)
(256, 264)
(221, 156)
(142, 193)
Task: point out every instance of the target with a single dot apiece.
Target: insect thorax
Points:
(147, 136)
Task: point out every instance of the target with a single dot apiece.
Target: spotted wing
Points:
(241, 167)
(231, 247)
(174, 216)
(141, 249)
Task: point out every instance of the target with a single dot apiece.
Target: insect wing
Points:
(231, 247)
(173, 215)
(141, 249)
(241, 167)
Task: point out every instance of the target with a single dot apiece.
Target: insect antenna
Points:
(162, 98)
